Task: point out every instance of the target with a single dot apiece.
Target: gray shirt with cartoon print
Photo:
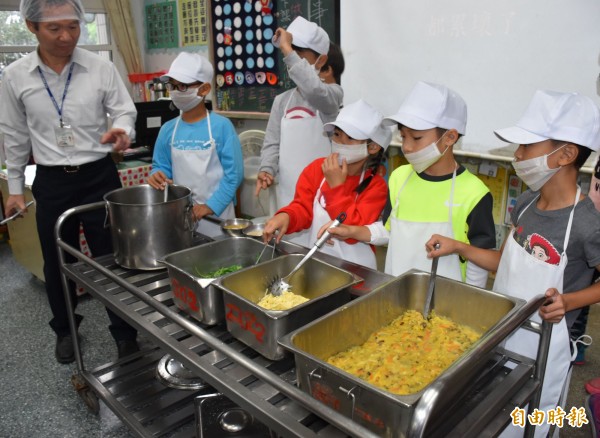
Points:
(542, 233)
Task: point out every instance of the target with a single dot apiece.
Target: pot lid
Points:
(174, 374)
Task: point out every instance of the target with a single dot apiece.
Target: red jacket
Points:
(362, 210)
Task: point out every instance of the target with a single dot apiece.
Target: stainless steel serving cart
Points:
(265, 389)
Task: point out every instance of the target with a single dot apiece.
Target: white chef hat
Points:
(553, 115)
(188, 68)
(308, 35)
(430, 106)
(359, 120)
(39, 11)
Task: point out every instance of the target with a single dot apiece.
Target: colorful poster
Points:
(243, 51)
(194, 22)
(161, 25)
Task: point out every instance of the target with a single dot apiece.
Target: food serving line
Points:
(247, 394)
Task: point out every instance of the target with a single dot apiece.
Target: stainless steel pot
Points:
(144, 228)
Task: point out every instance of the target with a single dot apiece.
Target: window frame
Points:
(91, 6)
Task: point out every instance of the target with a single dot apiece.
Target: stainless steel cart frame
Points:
(266, 389)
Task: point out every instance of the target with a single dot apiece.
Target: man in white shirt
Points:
(54, 104)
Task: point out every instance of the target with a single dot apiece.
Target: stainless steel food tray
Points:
(387, 414)
(326, 287)
(202, 301)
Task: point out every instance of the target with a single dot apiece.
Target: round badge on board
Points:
(238, 49)
(220, 38)
(228, 64)
(248, 21)
(228, 51)
(219, 24)
(248, 6)
(227, 23)
(220, 80)
(258, 20)
(261, 77)
(237, 35)
(257, 6)
(270, 62)
(227, 9)
(239, 77)
(239, 64)
(250, 78)
(249, 35)
(220, 52)
(218, 10)
(268, 20)
(268, 34)
(249, 48)
(271, 78)
(260, 62)
(269, 48)
(229, 78)
(259, 48)
(250, 63)
(220, 66)
(237, 22)
(258, 34)
(237, 8)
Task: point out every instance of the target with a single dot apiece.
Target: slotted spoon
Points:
(280, 285)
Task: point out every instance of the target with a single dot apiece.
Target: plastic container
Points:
(139, 81)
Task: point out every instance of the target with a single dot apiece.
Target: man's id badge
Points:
(64, 136)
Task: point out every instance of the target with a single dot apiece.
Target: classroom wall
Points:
(495, 54)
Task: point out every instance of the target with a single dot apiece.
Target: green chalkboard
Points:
(249, 71)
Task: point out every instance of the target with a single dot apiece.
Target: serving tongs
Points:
(431, 287)
(279, 285)
(17, 214)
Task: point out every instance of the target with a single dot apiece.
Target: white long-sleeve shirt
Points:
(28, 117)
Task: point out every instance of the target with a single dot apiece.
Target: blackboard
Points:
(239, 67)
(495, 54)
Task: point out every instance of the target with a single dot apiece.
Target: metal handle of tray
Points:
(335, 418)
(432, 396)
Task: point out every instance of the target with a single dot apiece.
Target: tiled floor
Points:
(37, 398)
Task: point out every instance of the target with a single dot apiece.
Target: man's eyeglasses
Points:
(181, 87)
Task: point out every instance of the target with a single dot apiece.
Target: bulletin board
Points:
(161, 25)
(249, 70)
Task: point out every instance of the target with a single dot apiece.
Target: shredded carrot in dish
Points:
(408, 354)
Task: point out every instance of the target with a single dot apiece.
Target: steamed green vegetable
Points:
(219, 272)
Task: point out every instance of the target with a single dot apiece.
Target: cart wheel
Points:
(91, 400)
(87, 395)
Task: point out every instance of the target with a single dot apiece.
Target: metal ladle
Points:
(278, 286)
(431, 287)
(166, 193)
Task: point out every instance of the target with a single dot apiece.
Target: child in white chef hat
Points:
(556, 135)
(294, 136)
(433, 192)
(346, 181)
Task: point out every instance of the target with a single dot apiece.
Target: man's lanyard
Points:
(62, 102)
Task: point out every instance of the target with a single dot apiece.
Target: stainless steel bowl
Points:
(234, 227)
(255, 231)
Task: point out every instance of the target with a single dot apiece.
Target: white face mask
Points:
(427, 156)
(186, 100)
(535, 172)
(352, 153)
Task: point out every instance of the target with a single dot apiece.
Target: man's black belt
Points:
(78, 168)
